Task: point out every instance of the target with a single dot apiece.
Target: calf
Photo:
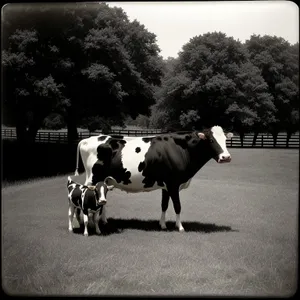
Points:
(90, 199)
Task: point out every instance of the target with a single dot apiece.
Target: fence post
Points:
(262, 140)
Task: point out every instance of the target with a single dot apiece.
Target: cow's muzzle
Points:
(101, 202)
(224, 159)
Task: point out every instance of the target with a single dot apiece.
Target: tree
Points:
(252, 108)
(84, 65)
(278, 62)
(213, 82)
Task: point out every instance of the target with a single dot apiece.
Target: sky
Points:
(174, 23)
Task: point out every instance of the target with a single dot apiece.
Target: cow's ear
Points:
(109, 181)
(91, 187)
(229, 135)
(202, 136)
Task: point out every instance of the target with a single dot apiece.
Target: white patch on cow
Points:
(220, 138)
(102, 195)
(88, 151)
(131, 160)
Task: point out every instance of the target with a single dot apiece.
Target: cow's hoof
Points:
(104, 222)
(86, 234)
(70, 229)
(181, 229)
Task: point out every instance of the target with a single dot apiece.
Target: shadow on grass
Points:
(118, 225)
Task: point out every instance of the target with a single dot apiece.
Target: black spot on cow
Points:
(147, 140)
(159, 138)
(126, 177)
(141, 166)
(102, 138)
(188, 137)
(137, 149)
(160, 183)
(166, 138)
(104, 153)
(114, 144)
(109, 161)
(148, 182)
(181, 142)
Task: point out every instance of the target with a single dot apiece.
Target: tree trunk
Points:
(242, 135)
(35, 125)
(274, 134)
(255, 138)
(288, 136)
(32, 132)
(72, 127)
(21, 129)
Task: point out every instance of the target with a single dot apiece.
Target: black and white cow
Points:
(88, 199)
(142, 164)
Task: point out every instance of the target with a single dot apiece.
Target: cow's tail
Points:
(77, 160)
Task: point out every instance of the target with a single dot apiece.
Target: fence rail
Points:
(263, 140)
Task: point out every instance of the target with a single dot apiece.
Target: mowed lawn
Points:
(241, 222)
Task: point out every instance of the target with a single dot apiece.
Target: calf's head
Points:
(101, 188)
(215, 139)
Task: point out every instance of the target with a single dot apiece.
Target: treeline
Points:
(77, 63)
(217, 80)
(82, 65)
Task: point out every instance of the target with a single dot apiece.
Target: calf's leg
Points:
(77, 214)
(96, 221)
(85, 222)
(103, 215)
(164, 207)
(71, 215)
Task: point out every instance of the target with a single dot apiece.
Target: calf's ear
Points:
(202, 136)
(229, 135)
(109, 181)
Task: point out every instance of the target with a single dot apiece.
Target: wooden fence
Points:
(264, 140)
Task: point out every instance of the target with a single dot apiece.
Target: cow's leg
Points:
(71, 215)
(85, 222)
(177, 207)
(103, 215)
(96, 221)
(164, 206)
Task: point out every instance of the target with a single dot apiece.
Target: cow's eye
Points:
(211, 140)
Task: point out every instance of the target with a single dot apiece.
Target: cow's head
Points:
(101, 189)
(216, 141)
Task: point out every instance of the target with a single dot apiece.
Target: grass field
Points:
(241, 238)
